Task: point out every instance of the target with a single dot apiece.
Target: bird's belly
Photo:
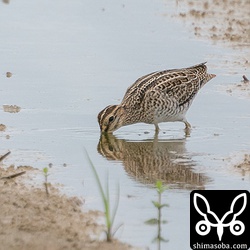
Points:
(167, 116)
(164, 113)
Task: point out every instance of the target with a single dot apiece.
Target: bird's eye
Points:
(111, 118)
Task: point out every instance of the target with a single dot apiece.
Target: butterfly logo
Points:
(203, 227)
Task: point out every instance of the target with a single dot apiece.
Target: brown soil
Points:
(222, 21)
(225, 20)
(244, 166)
(2, 127)
(240, 163)
(226, 23)
(31, 219)
(11, 108)
(241, 89)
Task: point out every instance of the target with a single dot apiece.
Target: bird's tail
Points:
(210, 76)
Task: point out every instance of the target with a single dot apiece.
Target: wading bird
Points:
(163, 96)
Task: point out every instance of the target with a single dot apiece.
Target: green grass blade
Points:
(153, 221)
(117, 201)
(107, 206)
(104, 198)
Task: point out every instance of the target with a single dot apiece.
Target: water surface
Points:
(71, 59)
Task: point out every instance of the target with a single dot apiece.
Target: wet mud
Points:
(225, 23)
(31, 219)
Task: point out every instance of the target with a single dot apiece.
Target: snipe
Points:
(163, 96)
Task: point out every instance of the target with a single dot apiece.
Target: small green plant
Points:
(46, 174)
(109, 218)
(160, 188)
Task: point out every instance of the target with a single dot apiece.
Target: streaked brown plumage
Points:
(163, 96)
(150, 160)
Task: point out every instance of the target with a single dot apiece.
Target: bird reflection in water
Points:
(151, 160)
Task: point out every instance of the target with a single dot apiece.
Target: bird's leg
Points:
(187, 124)
(187, 128)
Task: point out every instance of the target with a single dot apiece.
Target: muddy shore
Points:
(224, 23)
(31, 219)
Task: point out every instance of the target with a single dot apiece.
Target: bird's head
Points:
(111, 118)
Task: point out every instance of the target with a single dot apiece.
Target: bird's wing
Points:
(139, 87)
(181, 84)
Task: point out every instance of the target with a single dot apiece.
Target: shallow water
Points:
(70, 60)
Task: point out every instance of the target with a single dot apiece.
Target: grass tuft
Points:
(109, 217)
(46, 174)
(160, 188)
